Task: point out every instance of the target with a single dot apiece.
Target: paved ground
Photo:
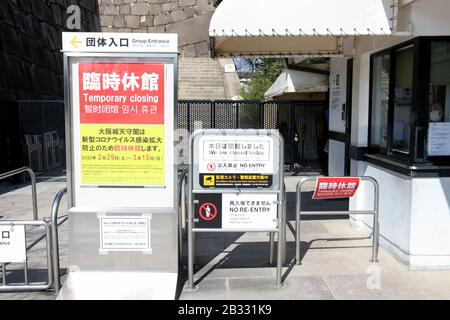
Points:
(335, 263)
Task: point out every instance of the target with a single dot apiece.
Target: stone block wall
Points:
(31, 71)
(31, 65)
(189, 18)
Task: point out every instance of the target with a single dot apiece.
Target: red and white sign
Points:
(121, 93)
(208, 211)
(335, 188)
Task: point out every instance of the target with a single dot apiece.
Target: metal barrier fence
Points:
(281, 212)
(26, 285)
(182, 175)
(374, 212)
(55, 241)
(33, 185)
(51, 237)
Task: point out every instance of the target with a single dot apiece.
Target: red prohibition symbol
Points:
(211, 166)
(207, 211)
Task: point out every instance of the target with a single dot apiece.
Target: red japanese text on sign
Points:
(334, 188)
(121, 93)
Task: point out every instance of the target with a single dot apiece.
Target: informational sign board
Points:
(236, 185)
(439, 139)
(119, 42)
(120, 98)
(335, 188)
(122, 120)
(227, 161)
(125, 234)
(240, 211)
(335, 91)
(12, 244)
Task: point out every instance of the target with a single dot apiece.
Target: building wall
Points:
(395, 208)
(336, 161)
(414, 213)
(336, 158)
(189, 18)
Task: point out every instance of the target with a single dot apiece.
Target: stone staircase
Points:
(200, 79)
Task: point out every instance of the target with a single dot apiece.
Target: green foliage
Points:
(265, 72)
(316, 60)
(216, 2)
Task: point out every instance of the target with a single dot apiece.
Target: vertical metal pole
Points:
(181, 207)
(376, 223)
(283, 235)
(281, 221)
(298, 206)
(237, 115)
(190, 218)
(280, 244)
(25, 272)
(213, 114)
(190, 249)
(188, 106)
(34, 194)
(271, 246)
(4, 273)
(25, 266)
(50, 260)
(54, 239)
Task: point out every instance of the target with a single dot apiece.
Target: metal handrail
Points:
(38, 286)
(374, 212)
(33, 185)
(181, 207)
(55, 242)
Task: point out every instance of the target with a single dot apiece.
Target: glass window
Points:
(439, 100)
(403, 99)
(380, 100)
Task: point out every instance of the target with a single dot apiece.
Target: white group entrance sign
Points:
(236, 184)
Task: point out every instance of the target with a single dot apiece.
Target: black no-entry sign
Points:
(207, 211)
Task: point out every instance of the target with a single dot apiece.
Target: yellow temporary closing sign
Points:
(122, 154)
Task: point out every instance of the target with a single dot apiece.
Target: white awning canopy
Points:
(293, 81)
(295, 27)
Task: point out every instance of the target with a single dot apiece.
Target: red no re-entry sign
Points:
(336, 187)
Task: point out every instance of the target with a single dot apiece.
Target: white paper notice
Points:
(249, 211)
(439, 139)
(238, 154)
(12, 244)
(125, 233)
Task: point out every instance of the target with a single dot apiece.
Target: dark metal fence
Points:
(302, 125)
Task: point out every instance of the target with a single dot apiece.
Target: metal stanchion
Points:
(374, 212)
(271, 247)
(190, 221)
(281, 213)
(54, 238)
(33, 186)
